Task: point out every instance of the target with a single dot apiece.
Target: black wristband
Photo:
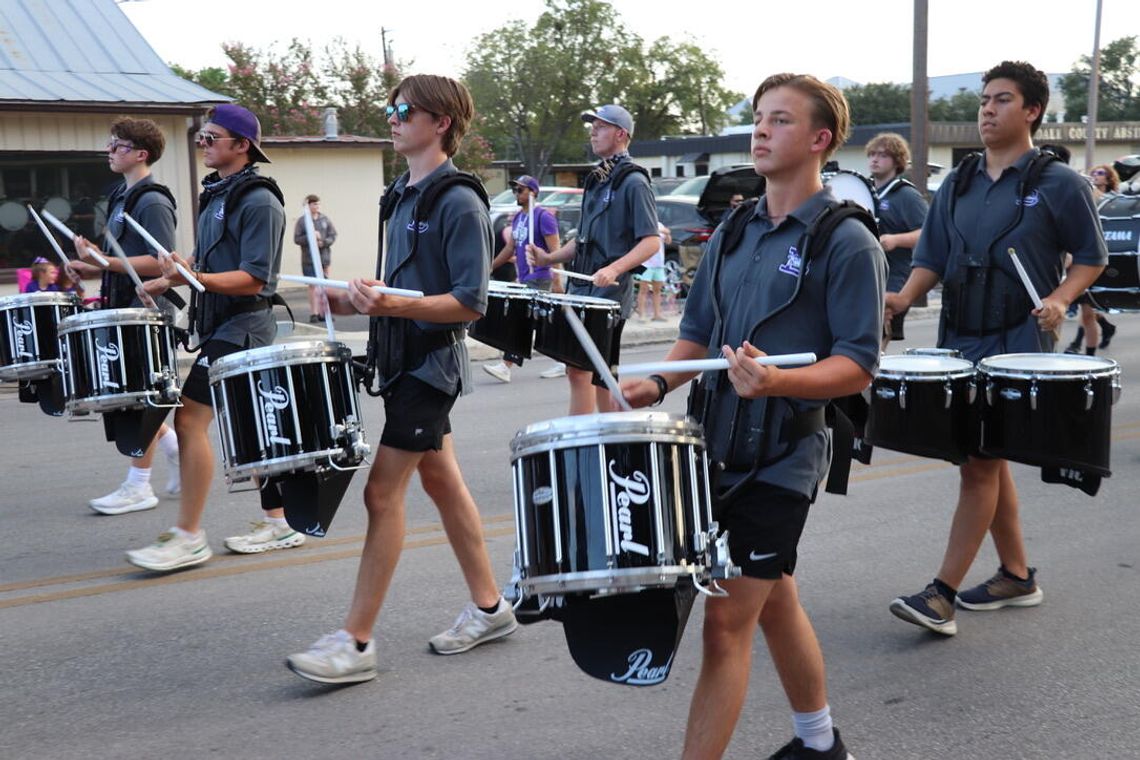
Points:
(662, 388)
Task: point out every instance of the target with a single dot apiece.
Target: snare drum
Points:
(847, 185)
(613, 503)
(508, 324)
(554, 337)
(1118, 286)
(29, 347)
(287, 408)
(1049, 410)
(118, 359)
(922, 405)
(951, 353)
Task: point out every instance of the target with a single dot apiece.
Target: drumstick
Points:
(315, 260)
(575, 275)
(63, 228)
(186, 273)
(118, 251)
(1025, 278)
(712, 365)
(343, 285)
(530, 220)
(595, 356)
(51, 238)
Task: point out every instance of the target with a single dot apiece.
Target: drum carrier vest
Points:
(117, 290)
(982, 297)
(397, 345)
(208, 310)
(745, 451)
(581, 261)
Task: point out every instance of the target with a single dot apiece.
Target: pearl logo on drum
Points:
(107, 354)
(22, 329)
(641, 670)
(635, 491)
(273, 401)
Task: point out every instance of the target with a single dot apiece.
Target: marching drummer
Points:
(241, 228)
(764, 425)
(618, 233)
(982, 211)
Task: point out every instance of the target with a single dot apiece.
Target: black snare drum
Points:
(1049, 410)
(923, 405)
(508, 324)
(951, 353)
(118, 359)
(287, 408)
(613, 503)
(1118, 286)
(554, 337)
(29, 347)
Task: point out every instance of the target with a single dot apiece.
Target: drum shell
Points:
(937, 421)
(615, 512)
(508, 324)
(284, 409)
(554, 337)
(29, 345)
(1118, 286)
(118, 359)
(1065, 427)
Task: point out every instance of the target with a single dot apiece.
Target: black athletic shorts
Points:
(415, 415)
(614, 358)
(197, 385)
(895, 326)
(764, 524)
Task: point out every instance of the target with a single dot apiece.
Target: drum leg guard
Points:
(132, 430)
(627, 638)
(47, 393)
(1082, 480)
(312, 498)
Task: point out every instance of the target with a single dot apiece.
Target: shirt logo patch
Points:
(1030, 200)
(220, 214)
(793, 264)
(884, 205)
(422, 228)
(119, 215)
(609, 195)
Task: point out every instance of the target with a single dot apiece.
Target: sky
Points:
(859, 39)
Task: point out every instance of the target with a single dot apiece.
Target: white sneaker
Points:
(174, 479)
(500, 371)
(127, 498)
(558, 370)
(264, 537)
(474, 627)
(334, 658)
(171, 551)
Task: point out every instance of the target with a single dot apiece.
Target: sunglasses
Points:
(209, 138)
(519, 190)
(402, 111)
(1099, 172)
(114, 146)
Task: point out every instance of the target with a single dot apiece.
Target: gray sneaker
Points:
(474, 627)
(334, 658)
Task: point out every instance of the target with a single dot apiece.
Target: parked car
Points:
(564, 202)
(665, 185)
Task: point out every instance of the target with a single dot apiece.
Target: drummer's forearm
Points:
(1077, 281)
(444, 308)
(503, 257)
(638, 255)
(563, 254)
(683, 350)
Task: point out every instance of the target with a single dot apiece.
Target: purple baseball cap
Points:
(241, 122)
(611, 114)
(526, 181)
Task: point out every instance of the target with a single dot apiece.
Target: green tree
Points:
(285, 90)
(1118, 91)
(213, 78)
(879, 103)
(961, 106)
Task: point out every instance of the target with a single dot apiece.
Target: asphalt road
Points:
(100, 661)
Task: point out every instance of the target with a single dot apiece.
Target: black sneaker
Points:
(1003, 590)
(929, 609)
(314, 319)
(795, 750)
(1107, 330)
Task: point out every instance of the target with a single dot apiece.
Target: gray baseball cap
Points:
(611, 114)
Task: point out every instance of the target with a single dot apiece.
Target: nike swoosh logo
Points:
(757, 557)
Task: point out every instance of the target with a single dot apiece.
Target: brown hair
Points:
(829, 107)
(1111, 178)
(894, 146)
(1032, 82)
(312, 199)
(143, 134)
(439, 96)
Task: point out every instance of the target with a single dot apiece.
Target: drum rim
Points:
(40, 298)
(590, 302)
(632, 578)
(100, 403)
(1107, 367)
(279, 355)
(575, 431)
(43, 368)
(104, 317)
(897, 373)
(278, 465)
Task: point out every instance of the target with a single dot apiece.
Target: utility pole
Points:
(919, 143)
(1094, 94)
(384, 47)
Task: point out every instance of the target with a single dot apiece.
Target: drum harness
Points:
(818, 233)
(204, 307)
(969, 300)
(117, 289)
(617, 174)
(397, 345)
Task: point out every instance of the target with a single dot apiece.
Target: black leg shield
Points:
(312, 498)
(132, 430)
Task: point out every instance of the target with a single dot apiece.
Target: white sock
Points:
(168, 444)
(281, 522)
(184, 533)
(814, 729)
(138, 476)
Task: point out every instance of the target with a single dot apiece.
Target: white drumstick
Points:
(712, 365)
(1032, 291)
(575, 275)
(343, 285)
(118, 251)
(595, 355)
(63, 228)
(51, 238)
(530, 221)
(315, 261)
(149, 238)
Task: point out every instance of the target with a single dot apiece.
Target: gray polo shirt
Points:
(901, 209)
(453, 256)
(613, 221)
(838, 311)
(154, 211)
(249, 239)
(1059, 215)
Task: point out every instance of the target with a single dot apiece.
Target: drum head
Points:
(847, 185)
(1024, 365)
(589, 302)
(279, 355)
(587, 429)
(920, 364)
(40, 298)
(509, 290)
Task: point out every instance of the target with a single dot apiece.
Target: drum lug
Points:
(949, 394)
(1090, 395)
(989, 393)
(1115, 389)
(885, 393)
(1033, 395)
(902, 395)
(972, 394)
